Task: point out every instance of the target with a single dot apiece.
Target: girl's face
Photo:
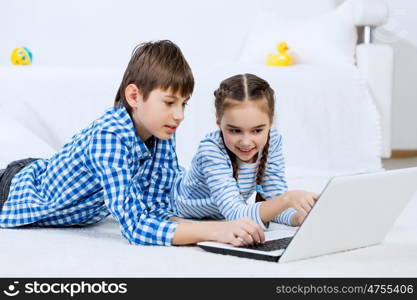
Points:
(245, 127)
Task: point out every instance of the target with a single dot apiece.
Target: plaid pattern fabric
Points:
(106, 168)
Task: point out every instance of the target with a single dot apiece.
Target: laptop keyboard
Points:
(270, 245)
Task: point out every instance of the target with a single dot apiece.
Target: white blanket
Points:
(101, 251)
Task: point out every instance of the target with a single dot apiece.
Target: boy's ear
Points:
(133, 95)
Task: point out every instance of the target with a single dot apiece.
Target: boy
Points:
(124, 163)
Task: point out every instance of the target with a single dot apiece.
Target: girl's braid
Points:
(261, 170)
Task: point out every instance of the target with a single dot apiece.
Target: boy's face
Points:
(159, 115)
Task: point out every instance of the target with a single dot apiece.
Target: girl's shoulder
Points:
(213, 141)
(275, 138)
(214, 136)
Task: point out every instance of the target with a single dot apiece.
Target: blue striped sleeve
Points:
(123, 193)
(285, 217)
(217, 171)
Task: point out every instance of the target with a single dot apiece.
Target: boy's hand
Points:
(302, 201)
(240, 232)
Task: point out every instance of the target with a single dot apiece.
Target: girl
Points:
(242, 157)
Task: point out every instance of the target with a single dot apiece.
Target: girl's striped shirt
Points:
(208, 189)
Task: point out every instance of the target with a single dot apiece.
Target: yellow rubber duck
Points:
(282, 58)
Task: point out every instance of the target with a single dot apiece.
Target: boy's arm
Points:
(238, 232)
(180, 220)
(123, 195)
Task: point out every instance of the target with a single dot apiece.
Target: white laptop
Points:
(352, 211)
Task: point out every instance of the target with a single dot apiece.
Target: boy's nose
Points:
(178, 115)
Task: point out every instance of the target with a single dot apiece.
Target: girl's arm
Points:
(274, 188)
(302, 201)
(274, 184)
(271, 208)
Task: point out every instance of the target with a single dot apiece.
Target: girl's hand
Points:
(240, 232)
(302, 201)
(298, 219)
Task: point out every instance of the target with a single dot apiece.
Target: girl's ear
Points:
(133, 95)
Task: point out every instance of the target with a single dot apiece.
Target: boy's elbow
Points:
(150, 232)
(140, 239)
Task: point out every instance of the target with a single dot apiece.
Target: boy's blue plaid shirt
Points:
(106, 168)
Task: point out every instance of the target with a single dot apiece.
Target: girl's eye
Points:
(258, 131)
(169, 103)
(184, 104)
(234, 130)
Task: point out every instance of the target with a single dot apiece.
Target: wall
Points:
(102, 33)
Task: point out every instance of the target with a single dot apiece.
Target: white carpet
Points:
(101, 251)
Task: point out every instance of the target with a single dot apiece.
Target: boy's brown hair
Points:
(153, 65)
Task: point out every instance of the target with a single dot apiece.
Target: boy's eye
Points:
(258, 130)
(169, 103)
(184, 104)
(234, 130)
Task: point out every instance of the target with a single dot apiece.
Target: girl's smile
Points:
(245, 152)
